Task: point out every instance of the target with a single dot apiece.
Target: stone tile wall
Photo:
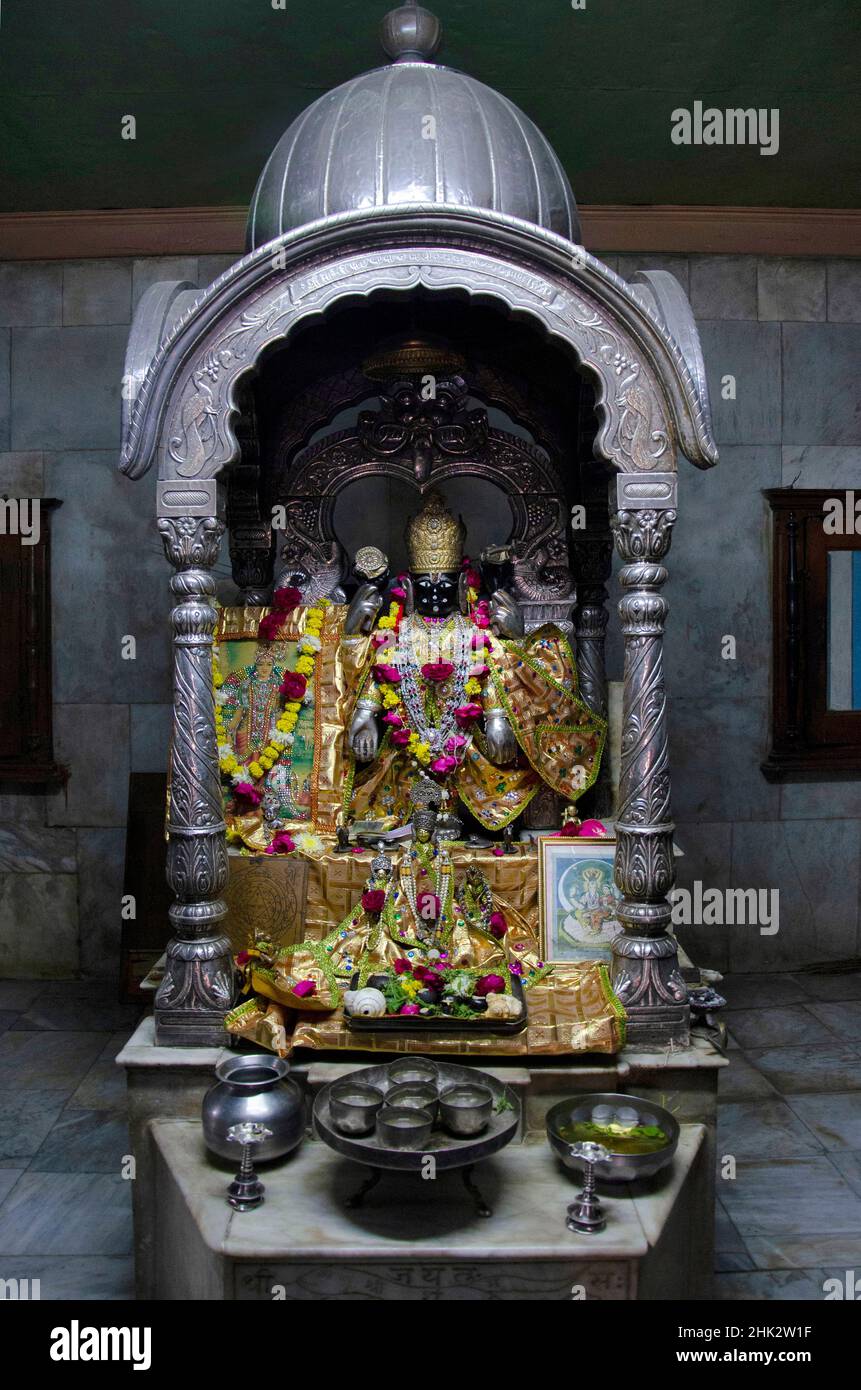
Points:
(788, 331)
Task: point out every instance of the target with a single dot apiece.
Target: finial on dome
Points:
(410, 34)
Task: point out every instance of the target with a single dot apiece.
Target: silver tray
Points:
(447, 1151)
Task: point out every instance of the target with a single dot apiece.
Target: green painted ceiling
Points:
(213, 83)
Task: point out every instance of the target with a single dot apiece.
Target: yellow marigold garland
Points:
(230, 765)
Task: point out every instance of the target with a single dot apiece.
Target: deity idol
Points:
(448, 689)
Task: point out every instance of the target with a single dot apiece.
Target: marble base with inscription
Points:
(167, 1083)
(415, 1239)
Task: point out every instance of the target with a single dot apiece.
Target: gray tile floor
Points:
(789, 1118)
(65, 1207)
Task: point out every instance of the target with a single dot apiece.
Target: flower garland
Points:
(434, 674)
(293, 687)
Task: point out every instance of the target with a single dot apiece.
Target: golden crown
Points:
(434, 539)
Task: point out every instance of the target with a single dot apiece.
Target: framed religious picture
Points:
(578, 900)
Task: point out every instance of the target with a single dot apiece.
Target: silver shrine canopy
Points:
(411, 133)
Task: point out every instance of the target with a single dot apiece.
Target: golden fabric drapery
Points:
(573, 1010)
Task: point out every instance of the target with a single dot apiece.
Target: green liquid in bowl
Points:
(642, 1139)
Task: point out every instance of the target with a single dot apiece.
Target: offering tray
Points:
(478, 1027)
(447, 1151)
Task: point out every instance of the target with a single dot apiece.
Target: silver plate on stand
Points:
(447, 1150)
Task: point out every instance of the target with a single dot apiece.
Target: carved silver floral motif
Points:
(635, 434)
(645, 965)
(197, 990)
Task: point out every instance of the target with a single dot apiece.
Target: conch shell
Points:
(365, 1003)
(503, 1006)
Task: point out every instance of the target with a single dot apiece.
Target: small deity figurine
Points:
(447, 687)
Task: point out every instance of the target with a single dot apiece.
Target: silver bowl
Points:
(415, 1095)
(354, 1106)
(403, 1128)
(465, 1110)
(618, 1167)
(409, 1071)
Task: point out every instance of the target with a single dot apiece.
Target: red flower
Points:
(464, 714)
(293, 686)
(594, 828)
(270, 626)
(398, 592)
(489, 984)
(428, 977)
(569, 831)
(245, 791)
(402, 966)
(444, 765)
(437, 670)
(393, 719)
(409, 1009)
(304, 988)
(383, 672)
(498, 925)
(287, 599)
(243, 958)
(373, 900)
(401, 737)
(282, 843)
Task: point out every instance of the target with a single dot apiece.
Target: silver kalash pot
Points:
(254, 1088)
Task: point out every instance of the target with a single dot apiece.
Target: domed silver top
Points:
(413, 132)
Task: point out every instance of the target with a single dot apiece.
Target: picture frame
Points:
(577, 899)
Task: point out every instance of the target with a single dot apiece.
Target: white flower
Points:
(225, 750)
(221, 696)
(308, 643)
(240, 775)
(308, 843)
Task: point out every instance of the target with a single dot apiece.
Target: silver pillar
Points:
(646, 976)
(197, 990)
(592, 551)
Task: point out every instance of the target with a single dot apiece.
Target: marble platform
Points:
(169, 1083)
(415, 1240)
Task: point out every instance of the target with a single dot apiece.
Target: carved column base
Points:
(647, 980)
(198, 988)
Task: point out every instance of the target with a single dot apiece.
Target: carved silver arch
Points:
(647, 399)
(528, 479)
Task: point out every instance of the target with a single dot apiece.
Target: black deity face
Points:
(435, 594)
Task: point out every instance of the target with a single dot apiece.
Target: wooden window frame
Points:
(808, 742)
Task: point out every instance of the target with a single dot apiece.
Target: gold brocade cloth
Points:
(571, 1011)
(560, 740)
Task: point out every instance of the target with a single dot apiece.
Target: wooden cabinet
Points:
(26, 739)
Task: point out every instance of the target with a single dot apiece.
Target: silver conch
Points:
(365, 1003)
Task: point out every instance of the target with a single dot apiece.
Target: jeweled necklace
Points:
(439, 871)
(408, 664)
